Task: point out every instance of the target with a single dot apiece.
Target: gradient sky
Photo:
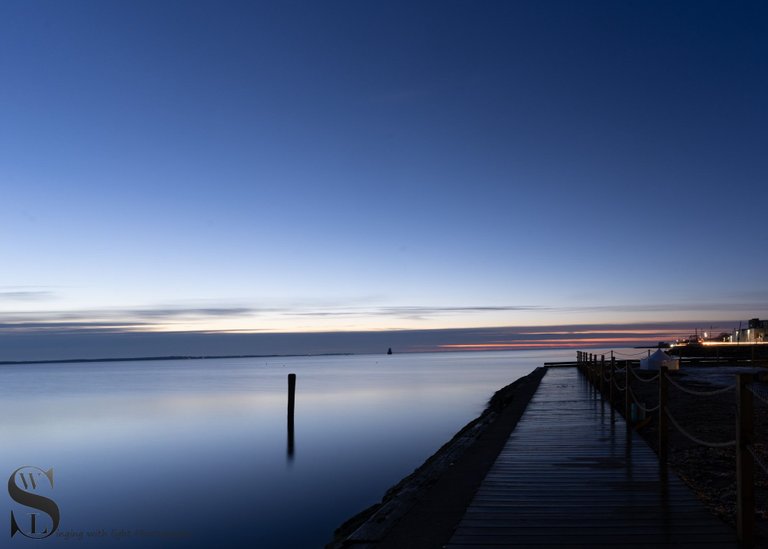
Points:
(324, 166)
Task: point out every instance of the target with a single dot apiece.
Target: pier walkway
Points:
(570, 475)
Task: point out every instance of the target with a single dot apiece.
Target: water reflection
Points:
(201, 448)
(291, 406)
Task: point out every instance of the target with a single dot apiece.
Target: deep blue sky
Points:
(324, 166)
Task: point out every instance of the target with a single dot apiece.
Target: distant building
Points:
(755, 332)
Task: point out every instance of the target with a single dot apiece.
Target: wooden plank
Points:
(572, 475)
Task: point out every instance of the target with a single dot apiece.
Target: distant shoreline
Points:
(273, 355)
(145, 358)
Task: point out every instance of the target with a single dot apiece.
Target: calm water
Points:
(193, 453)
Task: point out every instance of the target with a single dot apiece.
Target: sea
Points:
(197, 453)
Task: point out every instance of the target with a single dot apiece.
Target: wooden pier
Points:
(572, 475)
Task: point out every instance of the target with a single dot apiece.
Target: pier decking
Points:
(571, 475)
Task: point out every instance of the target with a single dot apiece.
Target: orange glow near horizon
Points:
(503, 346)
(731, 343)
(618, 331)
(550, 343)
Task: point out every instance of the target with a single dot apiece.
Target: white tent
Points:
(659, 359)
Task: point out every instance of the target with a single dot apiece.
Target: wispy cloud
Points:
(262, 318)
(736, 306)
(25, 295)
(71, 328)
(190, 312)
(113, 340)
(413, 312)
(112, 320)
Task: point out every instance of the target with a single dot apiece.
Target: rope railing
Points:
(700, 393)
(694, 438)
(758, 459)
(745, 388)
(643, 407)
(622, 353)
(761, 392)
(642, 379)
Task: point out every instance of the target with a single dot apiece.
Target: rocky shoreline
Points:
(423, 508)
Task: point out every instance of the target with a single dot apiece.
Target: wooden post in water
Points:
(663, 434)
(745, 465)
(291, 406)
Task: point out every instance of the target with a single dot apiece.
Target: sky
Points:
(265, 167)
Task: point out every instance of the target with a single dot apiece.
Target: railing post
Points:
(594, 371)
(597, 372)
(613, 373)
(627, 397)
(602, 375)
(663, 434)
(745, 465)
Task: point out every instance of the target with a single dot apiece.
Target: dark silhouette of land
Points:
(141, 358)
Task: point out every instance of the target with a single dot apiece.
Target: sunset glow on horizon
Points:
(380, 167)
(557, 343)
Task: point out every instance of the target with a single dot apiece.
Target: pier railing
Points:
(614, 380)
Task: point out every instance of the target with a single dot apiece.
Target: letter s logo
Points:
(33, 480)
